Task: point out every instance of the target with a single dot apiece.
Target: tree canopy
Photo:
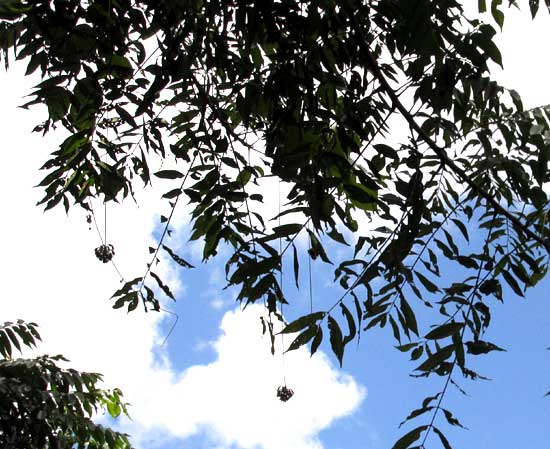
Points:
(380, 118)
(45, 406)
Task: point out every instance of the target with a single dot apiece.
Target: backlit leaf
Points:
(303, 338)
(336, 339)
(445, 330)
(409, 438)
(302, 322)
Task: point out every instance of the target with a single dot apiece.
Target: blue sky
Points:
(212, 384)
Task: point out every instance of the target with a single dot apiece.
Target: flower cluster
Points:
(105, 253)
(284, 393)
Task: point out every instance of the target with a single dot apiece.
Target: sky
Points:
(212, 382)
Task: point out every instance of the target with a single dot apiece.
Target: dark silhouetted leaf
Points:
(336, 339)
(163, 286)
(302, 322)
(406, 440)
(409, 315)
(428, 285)
(169, 174)
(351, 324)
(481, 347)
(451, 419)
(511, 281)
(303, 338)
(296, 266)
(181, 262)
(445, 330)
(434, 360)
(317, 339)
(442, 438)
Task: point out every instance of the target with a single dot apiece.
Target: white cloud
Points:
(51, 276)
(233, 399)
(523, 42)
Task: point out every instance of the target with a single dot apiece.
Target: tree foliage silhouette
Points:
(382, 111)
(45, 406)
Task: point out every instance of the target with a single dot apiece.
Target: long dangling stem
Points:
(281, 285)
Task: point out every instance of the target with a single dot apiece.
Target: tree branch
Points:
(440, 152)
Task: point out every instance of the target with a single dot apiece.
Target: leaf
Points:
(254, 269)
(510, 280)
(127, 286)
(164, 287)
(169, 174)
(387, 151)
(172, 194)
(490, 286)
(481, 347)
(120, 61)
(285, 230)
(5, 345)
(114, 409)
(181, 262)
(445, 330)
(485, 311)
(317, 340)
(459, 349)
(296, 266)
(434, 360)
(336, 341)
(126, 116)
(395, 330)
(481, 6)
(407, 347)
(417, 353)
(351, 324)
(428, 285)
(498, 15)
(15, 334)
(271, 336)
(244, 176)
(520, 273)
(428, 400)
(263, 325)
(534, 7)
(467, 262)
(359, 245)
(358, 313)
(409, 315)
(127, 298)
(134, 302)
(13, 338)
(442, 438)
(415, 413)
(460, 225)
(303, 338)
(484, 40)
(406, 440)
(316, 248)
(302, 322)
(337, 236)
(451, 419)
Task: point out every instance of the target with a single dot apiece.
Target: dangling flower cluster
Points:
(105, 252)
(284, 393)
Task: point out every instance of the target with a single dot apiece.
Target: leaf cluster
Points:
(46, 406)
(381, 113)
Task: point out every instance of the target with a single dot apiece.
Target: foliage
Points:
(369, 111)
(45, 406)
